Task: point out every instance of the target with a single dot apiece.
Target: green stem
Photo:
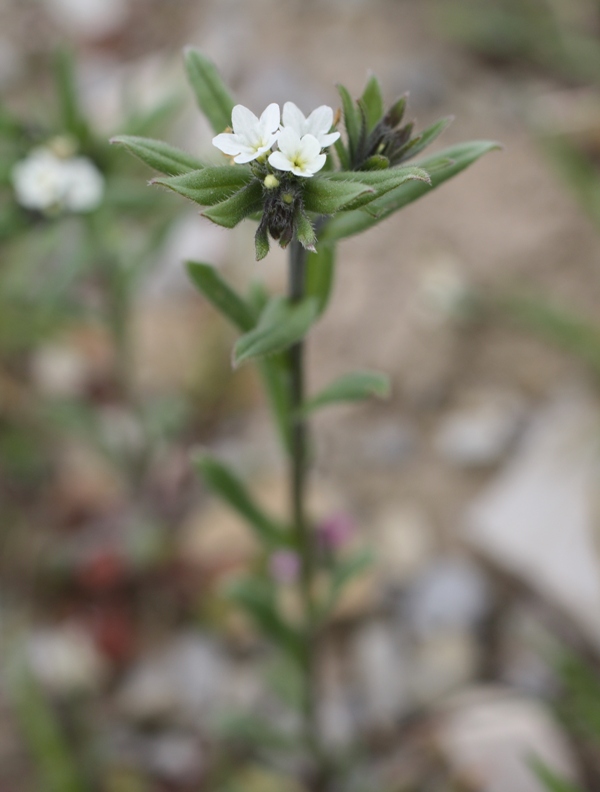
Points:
(298, 470)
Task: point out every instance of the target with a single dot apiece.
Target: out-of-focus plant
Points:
(283, 175)
(558, 36)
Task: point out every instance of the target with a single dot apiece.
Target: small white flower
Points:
(299, 155)
(251, 136)
(318, 123)
(83, 185)
(38, 181)
(49, 183)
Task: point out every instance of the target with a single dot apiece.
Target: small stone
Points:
(184, 683)
(479, 434)
(381, 672)
(175, 757)
(452, 593)
(59, 371)
(92, 19)
(65, 661)
(488, 735)
(537, 518)
(403, 542)
(443, 663)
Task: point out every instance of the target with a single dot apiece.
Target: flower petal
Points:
(319, 122)
(279, 161)
(316, 164)
(309, 148)
(270, 119)
(288, 141)
(293, 118)
(228, 143)
(245, 123)
(327, 140)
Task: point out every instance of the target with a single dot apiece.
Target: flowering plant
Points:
(306, 187)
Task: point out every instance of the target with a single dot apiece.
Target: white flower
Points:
(251, 136)
(318, 123)
(38, 180)
(48, 183)
(299, 155)
(83, 185)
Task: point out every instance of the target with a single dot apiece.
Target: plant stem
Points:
(298, 470)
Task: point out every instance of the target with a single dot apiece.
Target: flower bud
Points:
(271, 182)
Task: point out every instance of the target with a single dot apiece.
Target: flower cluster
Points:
(49, 182)
(300, 140)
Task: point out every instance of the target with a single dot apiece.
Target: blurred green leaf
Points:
(257, 597)
(461, 156)
(426, 138)
(228, 486)
(212, 94)
(352, 121)
(207, 279)
(281, 324)
(320, 271)
(556, 324)
(54, 760)
(350, 388)
(552, 781)
(158, 155)
(274, 372)
(72, 119)
(581, 708)
(344, 571)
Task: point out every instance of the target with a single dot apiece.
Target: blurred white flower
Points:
(90, 18)
(251, 136)
(84, 185)
(318, 123)
(38, 180)
(46, 182)
(301, 156)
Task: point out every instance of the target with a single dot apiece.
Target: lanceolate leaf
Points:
(212, 94)
(459, 157)
(257, 597)
(426, 137)
(240, 205)
(281, 324)
(381, 182)
(372, 102)
(320, 271)
(228, 486)
(349, 388)
(275, 375)
(221, 295)
(208, 186)
(351, 120)
(325, 195)
(158, 155)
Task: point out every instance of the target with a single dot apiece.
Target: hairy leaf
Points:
(207, 279)
(208, 186)
(212, 94)
(350, 388)
(158, 155)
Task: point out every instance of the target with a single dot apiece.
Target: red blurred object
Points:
(104, 570)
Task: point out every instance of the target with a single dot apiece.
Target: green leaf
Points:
(275, 375)
(281, 324)
(342, 153)
(226, 484)
(351, 121)
(257, 597)
(207, 279)
(460, 157)
(212, 94)
(158, 155)
(326, 195)
(261, 242)
(71, 116)
(426, 137)
(243, 203)
(380, 181)
(350, 388)
(552, 781)
(343, 573)
(305, 231)
(55, 764)
(210, 185)
(320, 271)
(372, 102)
